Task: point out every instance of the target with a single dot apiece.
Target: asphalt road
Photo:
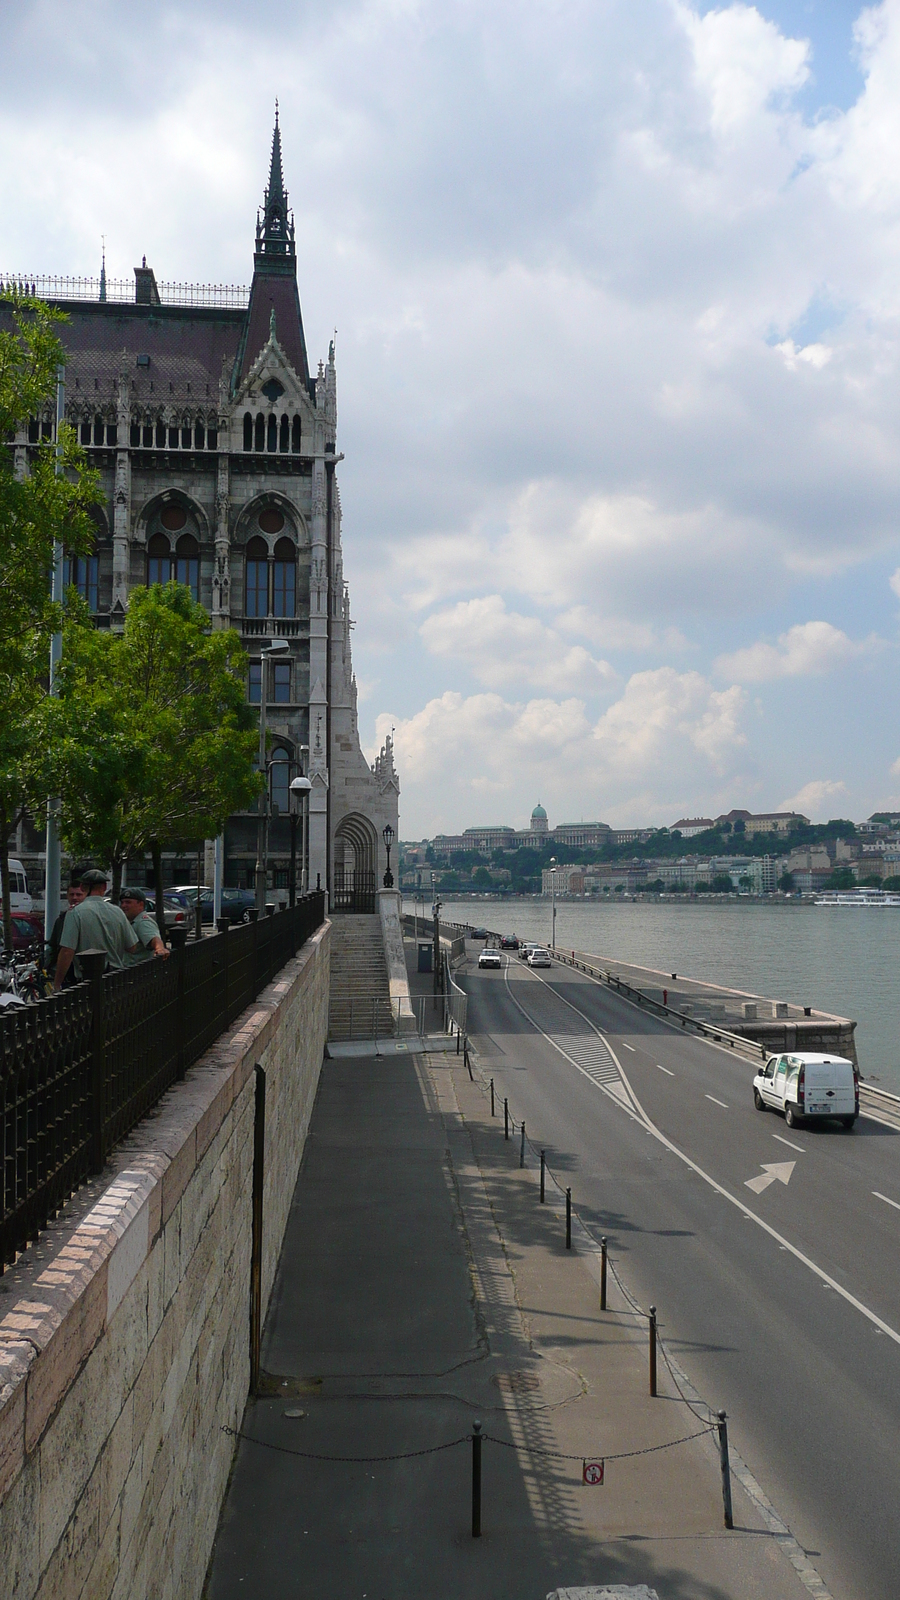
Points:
(792, 1326)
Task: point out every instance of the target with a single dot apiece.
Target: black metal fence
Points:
(353, 892)
(78, 1071)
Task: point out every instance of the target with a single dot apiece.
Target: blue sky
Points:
(616, 286)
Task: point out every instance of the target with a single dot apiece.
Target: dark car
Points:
(509, 942)
(478, 933)
(27, 930)
(237, 904)
(185, 901)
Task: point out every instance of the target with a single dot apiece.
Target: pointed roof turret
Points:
(274, 288)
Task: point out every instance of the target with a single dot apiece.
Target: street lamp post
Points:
(267, 648)
(300, 788)
(553, 902)
(387, 834)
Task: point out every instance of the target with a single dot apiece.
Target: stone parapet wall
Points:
(124, 1333)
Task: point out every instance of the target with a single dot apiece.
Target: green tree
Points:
(786, 882)
(841, 878)
(47, 504)
(150, 738)
(722, 883)
(482, 878)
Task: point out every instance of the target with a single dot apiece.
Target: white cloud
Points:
(816, 799)
(815, 355)
(501, 646)
(661, 707)
(806, 649)
(741, 61)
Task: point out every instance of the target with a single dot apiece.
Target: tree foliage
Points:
(150, 737)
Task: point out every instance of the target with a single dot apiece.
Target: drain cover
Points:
(516, 1382)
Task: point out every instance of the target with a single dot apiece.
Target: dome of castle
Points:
(539, 812)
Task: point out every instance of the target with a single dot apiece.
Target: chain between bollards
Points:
(522, 1148)
(568, 1219)
(505, 1117)
(476, 1480)
(653, 1351)
(603, 1259)
(543, 1172)
(726, 1469)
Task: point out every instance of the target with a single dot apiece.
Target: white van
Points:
(19, 898)
(808, 1085)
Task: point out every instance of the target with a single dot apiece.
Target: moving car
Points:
(805, 1085)
(526, 948)
(478, 933)
(490, 958)
(539, 957)
(509, 942)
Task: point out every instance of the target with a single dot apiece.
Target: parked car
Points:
(490, 957)
(185, 900)
(539, 957)
(808, 1085)
(509, 942)
(27, 929)
(237, 904)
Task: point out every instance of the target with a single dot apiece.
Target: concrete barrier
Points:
(124, 1335)
(395, 959)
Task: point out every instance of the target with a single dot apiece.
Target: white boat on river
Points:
(858, 897)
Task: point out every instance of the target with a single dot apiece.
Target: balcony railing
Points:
(78, 1071)
(274, 627)
(47, 286)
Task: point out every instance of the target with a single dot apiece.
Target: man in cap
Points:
(94, 925)
(134, 905)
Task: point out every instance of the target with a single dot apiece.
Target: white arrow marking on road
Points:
(780, 1170)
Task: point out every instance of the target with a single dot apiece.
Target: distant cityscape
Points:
(756, 853)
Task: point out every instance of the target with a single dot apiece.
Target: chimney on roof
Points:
(145, 290)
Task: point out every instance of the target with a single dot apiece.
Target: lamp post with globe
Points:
(553, 902)
(387, 834)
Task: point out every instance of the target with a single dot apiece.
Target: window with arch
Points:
(280, 779)
(272, 434)
(248, 431)
(284, 579)
(159, 559)
(284, 434)
(187, 563)
(173, 551)
(295, 435)
(260, 440)
(256, 592)
(84, 573)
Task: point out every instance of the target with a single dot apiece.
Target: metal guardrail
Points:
(80, 1070)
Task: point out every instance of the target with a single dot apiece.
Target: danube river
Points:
(840, 959)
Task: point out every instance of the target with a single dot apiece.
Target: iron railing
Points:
(353, 892)
(57, 286)
(80, 1070)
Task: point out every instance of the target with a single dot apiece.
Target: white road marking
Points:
(788, 1143)
(886, 1200)
(627, 1046)
(716, 1102)
(664, 1069)
(640, 1115)
(780, 1170)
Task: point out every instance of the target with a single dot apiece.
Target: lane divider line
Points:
(886, 1200)
(779, 1238)
(789, 1144)
(716, 1102)
(627, 1046)
(665, 1070)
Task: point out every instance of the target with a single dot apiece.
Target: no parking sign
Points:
(592, 1474)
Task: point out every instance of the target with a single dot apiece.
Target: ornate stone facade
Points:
(217, 451)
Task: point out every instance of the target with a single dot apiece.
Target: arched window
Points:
(284, 434)
(256, 593)
(98, 430)
(160, 436)
(284, 592)
(187, 563)
(159, 559)
(147, 435)
(260, 431)
(199, 436)
(84, 573)
(295, 435)
(85, 435)
(248, 431)
(280, 779)
(272, 434)
(185, 438)
(173, 438)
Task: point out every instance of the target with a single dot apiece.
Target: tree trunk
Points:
(117, 864)
(156, 858)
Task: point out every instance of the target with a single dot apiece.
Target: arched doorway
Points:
(355, 864)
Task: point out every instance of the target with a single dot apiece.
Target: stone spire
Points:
(274, 224)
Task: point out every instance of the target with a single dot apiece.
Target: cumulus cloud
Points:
(502, 646)
(741, 61)
(809, 648)
(816, 799)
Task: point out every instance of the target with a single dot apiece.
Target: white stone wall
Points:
(124, 1339)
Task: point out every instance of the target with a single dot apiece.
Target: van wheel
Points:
(758, 1101)
(790, 1115)
(848, 1122)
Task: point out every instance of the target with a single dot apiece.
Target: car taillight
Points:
(801, 1086)
(179, 916)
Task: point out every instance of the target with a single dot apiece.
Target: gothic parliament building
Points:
(217, 452)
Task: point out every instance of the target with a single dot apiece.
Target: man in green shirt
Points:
(94, 925)
(134, 905)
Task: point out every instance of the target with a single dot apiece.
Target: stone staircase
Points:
(360, 1005)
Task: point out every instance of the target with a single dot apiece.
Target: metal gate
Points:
(353, 892)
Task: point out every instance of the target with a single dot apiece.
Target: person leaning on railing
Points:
(94, 925)
(134, 905)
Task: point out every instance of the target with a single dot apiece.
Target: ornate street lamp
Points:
(387, 834)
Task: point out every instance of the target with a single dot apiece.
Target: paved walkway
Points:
(422, 1286)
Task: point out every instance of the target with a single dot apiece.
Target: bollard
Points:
(476, 1480)
(603, 1272)
(492, 1097)
(653, 1351)
(568, 1219)
(726, 1469)
(505, 1117)
(543, 1169)
(522, 1148)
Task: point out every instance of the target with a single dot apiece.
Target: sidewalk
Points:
(422, 1286)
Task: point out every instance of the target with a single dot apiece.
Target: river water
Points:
(840, 959)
